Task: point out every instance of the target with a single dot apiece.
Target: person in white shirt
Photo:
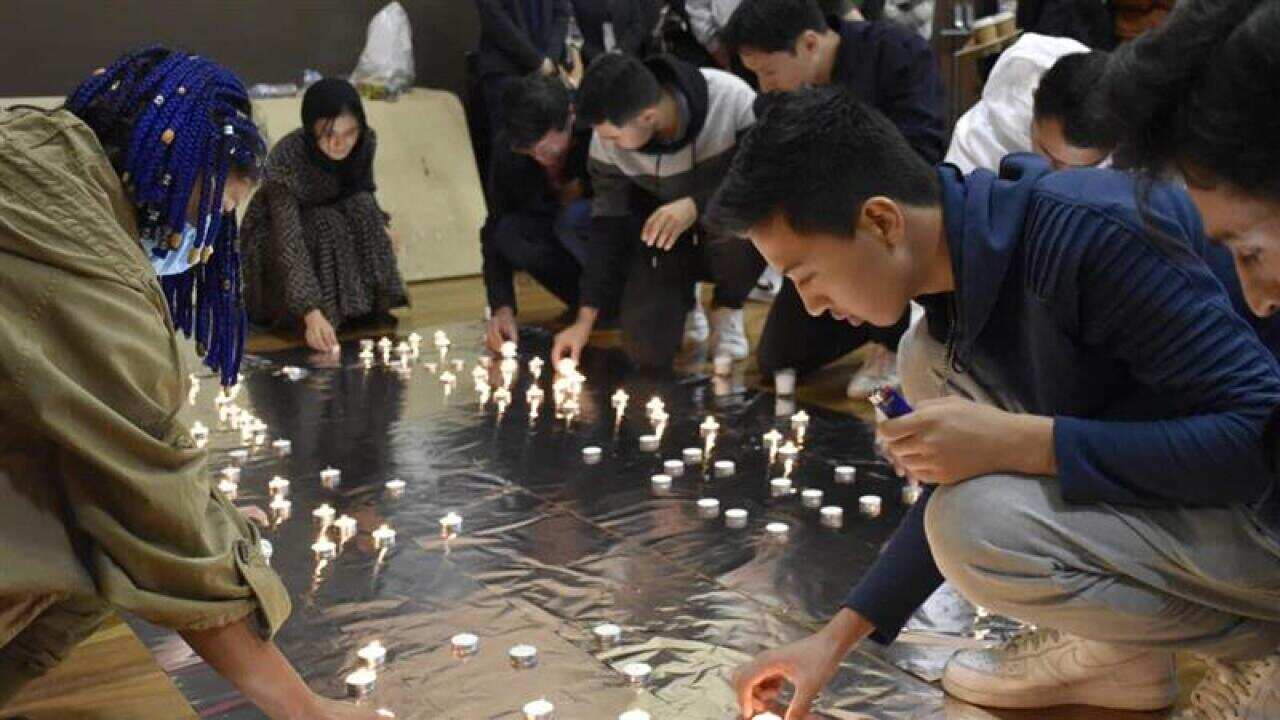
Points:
(1040, 97)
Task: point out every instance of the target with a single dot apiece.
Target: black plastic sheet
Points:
(551, 546)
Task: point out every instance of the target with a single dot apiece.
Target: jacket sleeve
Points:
(1168, 321)
(291, 258)
(702, 22)
(502, 31)
(607, 246)
(499, 284)
(96, 369)
(912, 96)
(640, 20)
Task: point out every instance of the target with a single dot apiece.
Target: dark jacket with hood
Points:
(717, 109)
(1066, 301)
(517, 35)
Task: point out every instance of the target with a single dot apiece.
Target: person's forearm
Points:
(255, 666)
(1030, 450)
(587, 316)
(847, 628)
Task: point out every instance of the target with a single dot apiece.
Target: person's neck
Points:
(828, 53)
(927, 236)
(668, 116)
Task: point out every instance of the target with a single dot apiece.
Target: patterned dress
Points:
(305, 245)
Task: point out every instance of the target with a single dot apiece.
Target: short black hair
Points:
(771, 26)
(1201, 94)
(1070, 92)
(616, 89)
(533, 106)
(816, 156)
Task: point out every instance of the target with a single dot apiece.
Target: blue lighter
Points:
(889, 401)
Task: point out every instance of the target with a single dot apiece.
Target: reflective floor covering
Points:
(551, 547)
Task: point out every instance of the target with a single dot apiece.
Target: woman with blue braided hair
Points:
(116, 230)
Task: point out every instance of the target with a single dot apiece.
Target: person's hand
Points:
(949, 440)
(549, 67)
(320, 334)
(570, 341)
(500, 328)
(668, 223)
(808, 665)
(255, 514)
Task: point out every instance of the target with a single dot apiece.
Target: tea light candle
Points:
(283, 446)
(637, 673)
(266, 548)
(508, 349)
(396, 486)
(293, 373)
(771, 440)
(708, 508)
(799, 420)
(450, 525)
(723, 365)
(692, 455)
(502, 396)
(330, 477)
(366, 345)
(735, 518)
(591, 455)
(403, 349)
(784, 382)
(199, 432)
(228, 488)
(780, 485)
(725, 468)
(441, 340)
(846, 474)
(278, 486)
(539, 710)
(373, 655)
(324, 513)
(448, 378)
(324, 549)
(535, 394)
(608, 634)
(346, 526)
(464, 644)
(911, 494)
(508, 366)
(832, 516)
(384, 537)
(869, 505)
(535, 368)
(674, 468)
(360, 683)
(523, 656)
(661, 482)
(788, 451)
(415, 339)
(231, 473)
(811, 498)
(385, 344)
(766, 716)
(709, 426)
(648, 443)
(777, 528)
(459, 365)
(634, 715)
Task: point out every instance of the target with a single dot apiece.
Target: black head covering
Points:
(325, 100)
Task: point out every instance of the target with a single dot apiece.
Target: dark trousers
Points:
(793, 338)
(659, 291)
(493, 87)
(551, 248)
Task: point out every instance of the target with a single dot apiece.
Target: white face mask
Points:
(175, 261)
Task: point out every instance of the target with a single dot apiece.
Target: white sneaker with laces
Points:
(1045, 668)
(1236, 691)
(696, 328)
(729, 334)
(879, 369)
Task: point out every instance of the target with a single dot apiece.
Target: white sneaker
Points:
(696, 329)
(1237, 691)
(880, 369)
(729, 334)
(1044, 668)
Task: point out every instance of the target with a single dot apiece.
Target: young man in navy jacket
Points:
(1089, 412)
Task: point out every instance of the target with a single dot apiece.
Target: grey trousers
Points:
(1205, 580)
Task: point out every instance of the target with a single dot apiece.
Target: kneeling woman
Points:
(316, 250)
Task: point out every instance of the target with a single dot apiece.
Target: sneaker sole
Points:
(1153, 696)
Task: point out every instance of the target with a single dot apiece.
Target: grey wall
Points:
(47, 46)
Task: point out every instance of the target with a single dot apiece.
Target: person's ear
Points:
(883, 221)
(649, 118)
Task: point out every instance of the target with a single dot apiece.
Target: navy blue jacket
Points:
(1066, 300)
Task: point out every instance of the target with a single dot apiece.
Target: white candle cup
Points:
(591, 455)
(708, 508)
(395, 487)
(523, 656)
(384, 537)
(725, 468)
(360, 683)
(736, 518)
(282, 446)
(635, 715)
(281, 508)
(228, 488)
(278, 486)
(780, 486)
(846, 474)
(508, 349)
(784, 406)
(661, 482)
(788, 451)
(709, 427)
(832, 516)
(366, 345)
(723, 365)
(448, 378)
(539, 710)
(766, 716)
(911, 494)
(648, 443)
(870, 505)
(330, 477)
(777, 529)
(800, 421)
(637, 673)
(784, 382)
(811, 498)
(347, 528)
(374, 655)
(239, 455)
(464, 644)
(607, 634)
(231, 473)
(450, 525)
(267, 549)
(324, 549)
(324, 514)
(692, 456)
(674, 468)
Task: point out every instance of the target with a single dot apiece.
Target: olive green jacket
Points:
(102, 490)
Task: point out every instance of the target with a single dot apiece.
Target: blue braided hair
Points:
(174, 125)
